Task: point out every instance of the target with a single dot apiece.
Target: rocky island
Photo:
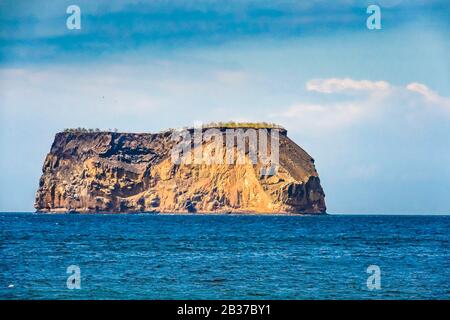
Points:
(89, 171)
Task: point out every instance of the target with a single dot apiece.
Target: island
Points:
(252, 168)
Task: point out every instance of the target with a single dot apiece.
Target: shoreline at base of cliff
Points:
(184, 213)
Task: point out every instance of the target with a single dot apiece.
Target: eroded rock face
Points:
(126, 172)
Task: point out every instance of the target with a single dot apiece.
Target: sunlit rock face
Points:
(89, 172)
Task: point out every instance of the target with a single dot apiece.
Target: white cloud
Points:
(377, 100)
(317, 116)
(334, 85)
(335, 115)
(430, 96)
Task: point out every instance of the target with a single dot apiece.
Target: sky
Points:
(372, 107)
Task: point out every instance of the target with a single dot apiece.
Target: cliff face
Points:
(125, 172)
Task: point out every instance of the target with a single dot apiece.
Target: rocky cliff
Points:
(125, 172)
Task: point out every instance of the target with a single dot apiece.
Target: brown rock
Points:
(113, 172)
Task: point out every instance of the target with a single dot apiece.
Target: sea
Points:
(153, 256)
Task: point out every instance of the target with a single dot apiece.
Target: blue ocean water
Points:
(148, 256)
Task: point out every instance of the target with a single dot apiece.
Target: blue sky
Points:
(371, 106)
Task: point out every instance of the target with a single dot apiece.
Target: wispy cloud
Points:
(133, 96)
(375, 99)
(71, 93)
(322, 116)
(334, 85)
(125, 25)
(430, 96)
